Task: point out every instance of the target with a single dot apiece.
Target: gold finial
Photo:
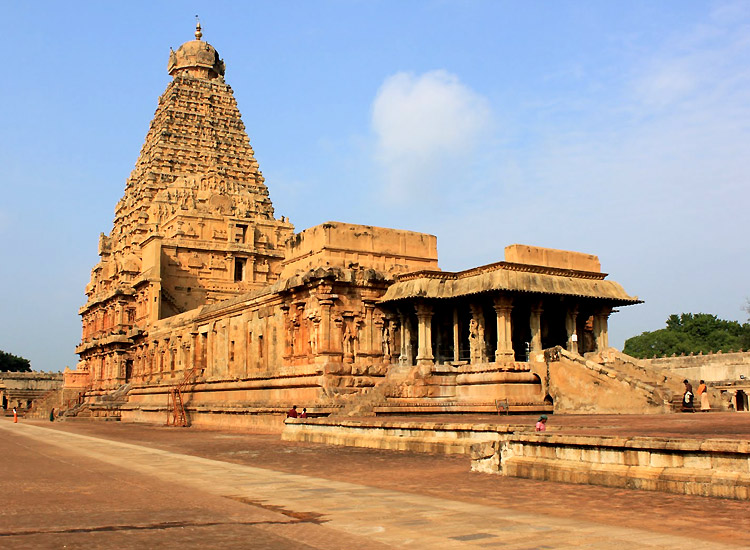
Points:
(198, 33)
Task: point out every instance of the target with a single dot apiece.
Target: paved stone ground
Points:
(104, 485)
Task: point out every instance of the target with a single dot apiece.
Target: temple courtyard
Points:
(80, 484)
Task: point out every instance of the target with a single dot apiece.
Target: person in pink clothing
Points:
(541, 424)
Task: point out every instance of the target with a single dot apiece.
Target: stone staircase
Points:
(364, 404)
(448, 389)
(608, 382)
(105, 406)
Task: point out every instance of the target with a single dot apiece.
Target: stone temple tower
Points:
(195, 225)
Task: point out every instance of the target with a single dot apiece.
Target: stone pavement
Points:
(192, 499)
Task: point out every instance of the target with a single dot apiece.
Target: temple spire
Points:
(198, 33)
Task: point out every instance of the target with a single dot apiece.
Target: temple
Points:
(204, 306)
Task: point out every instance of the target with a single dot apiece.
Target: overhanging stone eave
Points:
(511, 282)
(612, 301)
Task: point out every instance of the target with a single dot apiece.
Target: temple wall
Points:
(23, 389)
(549, 257)
(336, 244)
(714, 367)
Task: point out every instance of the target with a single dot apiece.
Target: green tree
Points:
(690, 333)
(13, 363)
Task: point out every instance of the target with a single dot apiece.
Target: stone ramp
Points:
(603, 384)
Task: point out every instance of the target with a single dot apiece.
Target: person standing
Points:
(15, 416)
(703, 393)
(687, 397)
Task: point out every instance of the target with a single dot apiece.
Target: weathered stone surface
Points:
(204, 304)
(715, 467)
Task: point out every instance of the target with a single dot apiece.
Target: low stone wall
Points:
(714, 367)
(422, 437)
(714, 467)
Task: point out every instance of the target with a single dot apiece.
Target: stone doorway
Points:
(521, 330)
(553, 324)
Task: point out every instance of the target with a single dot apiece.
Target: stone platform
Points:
(702, 454)
(140, 486)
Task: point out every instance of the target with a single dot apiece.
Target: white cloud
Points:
(427, 127)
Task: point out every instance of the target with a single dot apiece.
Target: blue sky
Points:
(614, 128)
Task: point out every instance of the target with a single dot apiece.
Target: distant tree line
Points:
(13, 363)
(690, 333)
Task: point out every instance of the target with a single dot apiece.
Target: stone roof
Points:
(509, 277)
(196, 54)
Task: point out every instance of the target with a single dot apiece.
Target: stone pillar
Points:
(601, 331)
(535, 324)
(327, 347)
(286, 323)
(405, 357)
(119, 314)
(193, 352)
(367, 347)
(456, 337)
(424, 335)
(503, 307)
(571, 320)
(324, 345)
(210, 348)
(402, 340)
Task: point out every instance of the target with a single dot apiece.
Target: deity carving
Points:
(349, 340)
(477, 346)
(386, 339)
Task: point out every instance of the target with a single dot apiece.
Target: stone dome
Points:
(196, 58)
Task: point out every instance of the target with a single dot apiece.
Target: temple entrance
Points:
(553, 324)
(741, 400)
(490, 330)
(521, 330)
(442, 334)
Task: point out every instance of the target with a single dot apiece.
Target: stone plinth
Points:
(713, 467)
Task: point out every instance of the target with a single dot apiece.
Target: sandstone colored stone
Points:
(205, 304)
